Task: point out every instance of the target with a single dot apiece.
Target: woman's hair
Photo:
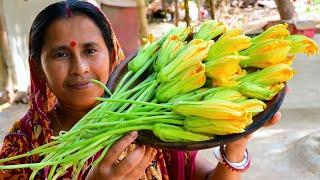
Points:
(61, 10)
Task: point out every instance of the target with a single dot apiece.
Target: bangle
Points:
(239, 167)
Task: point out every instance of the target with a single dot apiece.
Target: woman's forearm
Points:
(205, 170)
(221, 172)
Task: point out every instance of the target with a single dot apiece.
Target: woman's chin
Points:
(84, 100)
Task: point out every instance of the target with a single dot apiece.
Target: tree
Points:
(6, 69)
(176, 13)
(187, 17)
(286, 9)
(212, 9)
(143, 22)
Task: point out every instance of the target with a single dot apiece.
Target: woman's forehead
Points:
(79, 28)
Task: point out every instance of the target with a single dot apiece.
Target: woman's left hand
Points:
(235, 150)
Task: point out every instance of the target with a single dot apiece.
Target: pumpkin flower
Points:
(168, 51)
(214, 127)
(172, 133)
(271, 75)
(278, 31)
(303, 44)
(185, 82)
(211, 109)
(253, 106)
(258, 91)
(195, 52)
(145, 53)
(228, 94)
(222, 70)
(229, 43)
(209, 30)
(266, 53)
(181, 32)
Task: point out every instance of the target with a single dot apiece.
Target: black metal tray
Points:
(147, 138)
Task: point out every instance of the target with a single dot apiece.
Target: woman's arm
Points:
(234, 152)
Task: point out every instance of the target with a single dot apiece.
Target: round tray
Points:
(147, 137)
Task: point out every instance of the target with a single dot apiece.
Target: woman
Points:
(71, 42)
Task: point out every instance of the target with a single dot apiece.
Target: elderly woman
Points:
(71, 42)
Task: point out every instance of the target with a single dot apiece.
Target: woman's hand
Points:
(131, 167)
(235, 150)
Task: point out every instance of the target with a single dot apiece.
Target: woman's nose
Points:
(79, 66)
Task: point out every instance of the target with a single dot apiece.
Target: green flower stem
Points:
(143, 84)
(122, 81)
(135, 76)
(35, 151)
(134, 97)
(103, 86)
(203, 93)
(136, 102)
(84, 119)
(146, 96)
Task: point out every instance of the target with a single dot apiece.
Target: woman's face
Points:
(74, 52)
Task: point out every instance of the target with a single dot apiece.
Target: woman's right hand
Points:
(131, 167)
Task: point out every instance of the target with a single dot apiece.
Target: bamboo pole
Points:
(187, 17)
(5, 80)
(176, 13)
(211, 4)
(143, 23)
(198, 3)
(163, 3)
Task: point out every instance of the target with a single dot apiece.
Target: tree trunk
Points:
(211, 4)
(176, 13)
(187, 17)
(199, 6)
(163, 3)
(6, 71)
(3, 68)
(143, 23)
(286, 9)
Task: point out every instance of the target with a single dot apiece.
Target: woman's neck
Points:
(69, 115)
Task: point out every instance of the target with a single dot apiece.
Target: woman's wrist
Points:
(235, 154)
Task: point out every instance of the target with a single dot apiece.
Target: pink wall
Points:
(124, 21)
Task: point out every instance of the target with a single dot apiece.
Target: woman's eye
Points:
(61, 54)
(90, 51)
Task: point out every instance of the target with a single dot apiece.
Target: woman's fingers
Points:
(276, 118)
(130, 162)
(144, 163)
(116, 149)
(288, 90)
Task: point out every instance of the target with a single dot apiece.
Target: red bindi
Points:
(73, 44)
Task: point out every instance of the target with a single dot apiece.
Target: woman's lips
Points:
(80, 85)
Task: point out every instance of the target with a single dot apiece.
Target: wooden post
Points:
(4, 54)
(143, 23)
(286, 9)
(211, 4)
(199, 6)
(163, 3)
(187, 17)
(176, 13)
